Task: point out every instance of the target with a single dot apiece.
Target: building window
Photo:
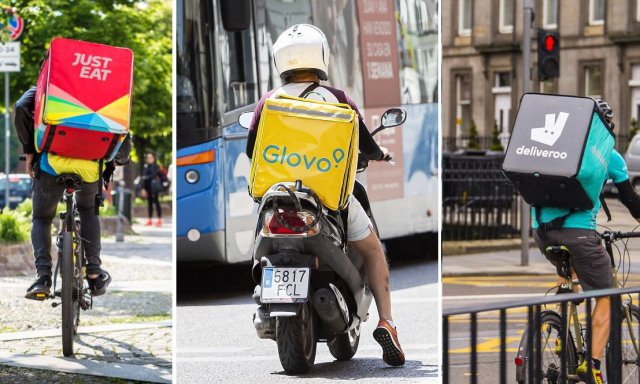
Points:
(465, 8)
(593, 81)
(502, 80)
(550, 14)
(506, 16)
(596, 12)
(463, 105)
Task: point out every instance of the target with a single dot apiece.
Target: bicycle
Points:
(74, 293)
(573, 342)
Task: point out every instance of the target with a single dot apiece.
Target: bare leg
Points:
(600, 324)
(378, 272)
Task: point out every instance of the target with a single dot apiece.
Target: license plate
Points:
(284, 285)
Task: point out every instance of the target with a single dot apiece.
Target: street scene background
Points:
(127, 335)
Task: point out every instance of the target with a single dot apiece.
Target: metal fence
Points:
(533, 361)
(478, 202)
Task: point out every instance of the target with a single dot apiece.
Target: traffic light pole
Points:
(7, 137)
(525, 210)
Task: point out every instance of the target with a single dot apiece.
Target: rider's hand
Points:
(28, 167)
(385, 153)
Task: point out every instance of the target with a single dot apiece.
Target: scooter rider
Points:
(590, 260)
(301, 56)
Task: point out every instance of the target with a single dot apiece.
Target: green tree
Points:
(142, 26)
(496, 145)
(474, 140)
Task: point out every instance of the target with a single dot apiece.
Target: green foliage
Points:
(496, 145)
(474, 141)
(14, 227)
(25, 208)
(142, 26)
(108, 210)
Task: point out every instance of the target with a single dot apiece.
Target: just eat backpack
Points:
(559, 151)
(83, 99)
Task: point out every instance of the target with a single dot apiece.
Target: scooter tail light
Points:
(271, 227)
(519, 362)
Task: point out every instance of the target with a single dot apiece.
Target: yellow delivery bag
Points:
(312, 141)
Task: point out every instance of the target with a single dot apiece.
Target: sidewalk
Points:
(495, 262)
(128, 332)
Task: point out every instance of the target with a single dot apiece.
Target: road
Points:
(497, 277)
(216, 341)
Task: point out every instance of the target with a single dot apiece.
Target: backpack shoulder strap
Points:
(309, 89)
(605, 207)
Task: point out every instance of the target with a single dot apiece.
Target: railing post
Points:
(474, 345)
(503, 346)
(445, 349)
(615, 342)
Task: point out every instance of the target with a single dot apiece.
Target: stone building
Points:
(482, 61)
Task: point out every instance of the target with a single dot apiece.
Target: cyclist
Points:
(590, 261)
(44, 168)
(301, 55)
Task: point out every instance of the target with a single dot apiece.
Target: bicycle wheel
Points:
(69, 302)
(630, 357)
(550, 327)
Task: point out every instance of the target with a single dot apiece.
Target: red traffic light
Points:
(550, 43)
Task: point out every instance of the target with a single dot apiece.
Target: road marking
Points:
(489, 346)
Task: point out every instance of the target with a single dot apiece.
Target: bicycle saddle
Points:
(561, 256)
(69, 180)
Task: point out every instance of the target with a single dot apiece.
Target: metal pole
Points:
(525, 210)
(120, 226)
(7, 136)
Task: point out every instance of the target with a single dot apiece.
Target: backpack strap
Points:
(605, 207)
(309, 89)
(555, 224)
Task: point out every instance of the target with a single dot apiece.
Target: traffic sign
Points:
(10, 57)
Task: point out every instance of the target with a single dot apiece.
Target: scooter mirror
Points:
(245, 119)
(393, 117)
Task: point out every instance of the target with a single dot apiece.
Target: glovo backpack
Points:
(559, 151)
(83, 99)
(312, 141)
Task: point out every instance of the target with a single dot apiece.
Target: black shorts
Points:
(590, 260)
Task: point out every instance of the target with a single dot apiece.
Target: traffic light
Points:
(548, 54)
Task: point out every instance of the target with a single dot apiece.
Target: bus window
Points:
(195, 103)
(418, 44)
(239, 84)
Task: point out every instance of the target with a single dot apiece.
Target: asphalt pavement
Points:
(493, 277)
(216, 341)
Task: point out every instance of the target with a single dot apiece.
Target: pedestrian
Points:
(154, 181)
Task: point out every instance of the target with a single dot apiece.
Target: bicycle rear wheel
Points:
(630, 357)
(551, 339)
(69, 302)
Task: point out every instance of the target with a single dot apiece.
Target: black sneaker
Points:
(98, 286)
(40, 289)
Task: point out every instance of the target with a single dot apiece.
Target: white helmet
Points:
(302, 46)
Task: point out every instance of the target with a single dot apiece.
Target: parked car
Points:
(632, 157)
(19, 189)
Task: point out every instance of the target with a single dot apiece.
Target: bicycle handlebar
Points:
(616, 235)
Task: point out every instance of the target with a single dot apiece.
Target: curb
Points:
(84, 330)
(148, 373)
(461, 248)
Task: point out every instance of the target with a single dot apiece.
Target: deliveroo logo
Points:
(552, 129)
(274, 154)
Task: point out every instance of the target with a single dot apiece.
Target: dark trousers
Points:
(46, 195)
(153, 200)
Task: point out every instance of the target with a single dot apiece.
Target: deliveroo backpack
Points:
(559, 151)
(83, 99)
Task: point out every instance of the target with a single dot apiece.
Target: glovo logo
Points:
(274, 154)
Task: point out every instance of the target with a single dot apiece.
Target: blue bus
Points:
(384, 54)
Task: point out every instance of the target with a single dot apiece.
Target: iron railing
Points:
(534, 308)
(478, 202)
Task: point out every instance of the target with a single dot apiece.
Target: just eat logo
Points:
(92, 67)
